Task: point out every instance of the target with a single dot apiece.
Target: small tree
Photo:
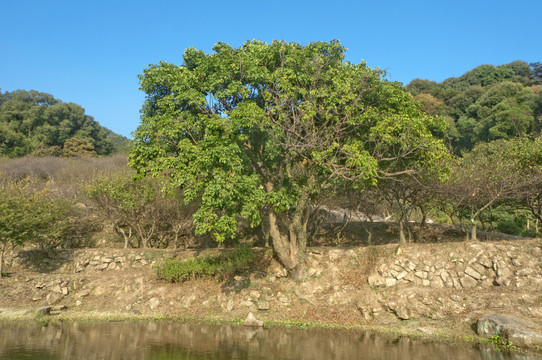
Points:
(488, 175)
(139, 208)
(78, 147)
(28, 214)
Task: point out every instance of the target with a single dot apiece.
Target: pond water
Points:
(174, 340)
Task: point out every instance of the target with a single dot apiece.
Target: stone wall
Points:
(76, 261)
(475, 265)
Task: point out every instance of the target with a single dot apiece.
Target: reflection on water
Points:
(169, 340)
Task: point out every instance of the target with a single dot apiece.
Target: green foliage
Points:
(225, 265)
(30, 214)
(509, 227)
(485, 104)
(501, 343)
(270, 125)
(532, 233)
(31, 121)
(78, 147)
(140, 208)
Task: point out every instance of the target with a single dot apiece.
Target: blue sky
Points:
(90, 52)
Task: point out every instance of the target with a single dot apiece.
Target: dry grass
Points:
(66, 175)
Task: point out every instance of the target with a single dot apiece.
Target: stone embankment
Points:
(484, 266)
(430, 287)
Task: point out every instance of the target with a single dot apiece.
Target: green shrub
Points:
(509, 227)
(530, 233)
(221, 266)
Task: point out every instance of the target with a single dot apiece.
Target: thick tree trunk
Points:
(290, 248)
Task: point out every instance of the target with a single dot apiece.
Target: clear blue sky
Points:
(90, 52)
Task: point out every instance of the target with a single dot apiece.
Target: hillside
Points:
(35, 123)
(486, 103)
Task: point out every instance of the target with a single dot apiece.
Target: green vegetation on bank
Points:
(36, 123)
(223, 266)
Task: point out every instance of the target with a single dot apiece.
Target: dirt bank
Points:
(440, 288)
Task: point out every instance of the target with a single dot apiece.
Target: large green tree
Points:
(262, 129)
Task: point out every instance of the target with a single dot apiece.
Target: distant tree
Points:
(420, 86)
(30, 120)
(490, 174)
(78, 147)
(536, 74)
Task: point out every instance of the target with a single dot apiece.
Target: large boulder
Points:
(518, 331)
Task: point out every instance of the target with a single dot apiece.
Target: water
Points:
(173, 340)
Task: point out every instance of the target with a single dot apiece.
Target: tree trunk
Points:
(473, 230)
(126, 237)
(290, 248)
(402, 239)
(2, 259)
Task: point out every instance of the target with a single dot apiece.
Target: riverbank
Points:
(436, 290)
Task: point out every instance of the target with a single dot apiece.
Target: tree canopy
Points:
(258, 132)
(32, 122)
(486, 103)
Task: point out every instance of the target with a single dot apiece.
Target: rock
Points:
(518, 331)
(153, 303)
(366, 312)
(391, 282)
(65, 291)
(44, 310)
(83, 293)
(402, 313)
(251, 320)
(229, 305)
(437, 283)
(57, 289)
(375, 280)
(468, 282)
(61, 307)
(102, 266)
(255, 295)
(53, 298)
(263, 305)
(473, 273)
(501, 281)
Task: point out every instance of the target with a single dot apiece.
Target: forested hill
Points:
(35, 123)
(487, 103)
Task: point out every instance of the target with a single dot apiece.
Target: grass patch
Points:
(221, 266)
